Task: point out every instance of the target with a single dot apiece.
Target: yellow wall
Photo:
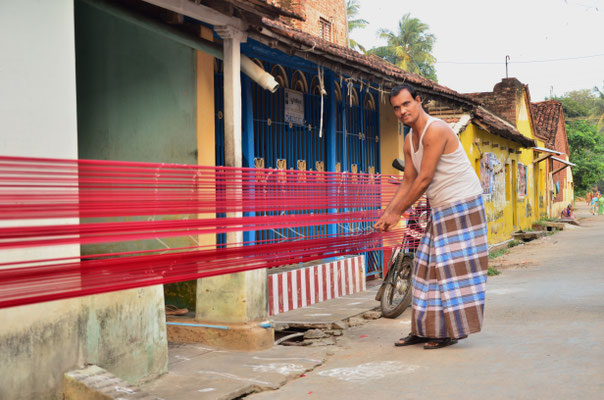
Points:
(499, 204)
(391, 139)
(206, 148)
(535, 204)
(570, 187)
(568, 195)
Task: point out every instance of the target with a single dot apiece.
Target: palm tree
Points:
(410, 48)
(352, 10)
(599, 108)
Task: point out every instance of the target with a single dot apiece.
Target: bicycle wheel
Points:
(397, 294)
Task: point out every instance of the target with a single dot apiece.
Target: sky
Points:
(473, 38)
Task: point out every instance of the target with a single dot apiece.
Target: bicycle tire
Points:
(404, 265)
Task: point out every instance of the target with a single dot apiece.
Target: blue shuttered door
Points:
(284, 146)
(358, 150)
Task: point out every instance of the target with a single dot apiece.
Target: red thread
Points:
(100, 202)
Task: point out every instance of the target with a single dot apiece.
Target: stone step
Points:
(527, 236)
(95, 383)
(549, 226)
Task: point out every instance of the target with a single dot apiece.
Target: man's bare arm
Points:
(392, 214)
(434, 142)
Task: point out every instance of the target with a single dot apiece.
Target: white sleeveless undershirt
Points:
(454, 178)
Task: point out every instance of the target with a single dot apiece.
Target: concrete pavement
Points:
(204, 373)
(543, 337)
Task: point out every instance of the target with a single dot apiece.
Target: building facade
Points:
(196, 83)
(549, 120)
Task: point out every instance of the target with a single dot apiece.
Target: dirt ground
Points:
(531, 253)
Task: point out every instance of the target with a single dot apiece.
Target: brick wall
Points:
(507, 95)
(504, 98)
(333, 11)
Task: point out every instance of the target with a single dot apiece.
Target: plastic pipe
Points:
(222, 327)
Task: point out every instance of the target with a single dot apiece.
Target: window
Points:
(325, 26)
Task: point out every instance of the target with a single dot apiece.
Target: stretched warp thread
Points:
(121, 202)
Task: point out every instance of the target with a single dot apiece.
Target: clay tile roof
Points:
(500, 127)
(546, 115)
(264, 7)
(351, 57)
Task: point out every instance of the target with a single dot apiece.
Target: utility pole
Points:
(507, 58)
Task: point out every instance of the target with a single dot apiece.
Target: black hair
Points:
(405, 86)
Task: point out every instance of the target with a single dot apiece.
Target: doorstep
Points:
(329, 313)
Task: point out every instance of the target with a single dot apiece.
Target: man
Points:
(449, 275)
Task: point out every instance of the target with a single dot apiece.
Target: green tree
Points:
(352, 11)
(409, 48)
(599, 109)
(576, 104)
(584, 105)
(587, 152)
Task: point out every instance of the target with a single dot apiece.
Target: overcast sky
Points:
(485, 31)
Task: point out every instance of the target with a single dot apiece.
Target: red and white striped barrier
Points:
(299, 288)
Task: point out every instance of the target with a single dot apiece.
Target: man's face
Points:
(406, 108)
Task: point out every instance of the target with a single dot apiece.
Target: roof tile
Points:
(546, 115)
(348, 55)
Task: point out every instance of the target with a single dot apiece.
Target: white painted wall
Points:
(38, 114)
(37, 79)
(123, 332)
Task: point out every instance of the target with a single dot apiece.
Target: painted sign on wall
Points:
(294, 107)
(522, 186)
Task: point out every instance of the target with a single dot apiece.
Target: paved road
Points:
(543, 337)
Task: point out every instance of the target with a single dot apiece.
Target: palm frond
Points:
(357, 24)
(354, 45)
(410, 48)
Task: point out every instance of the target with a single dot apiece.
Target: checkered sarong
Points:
(450, 271)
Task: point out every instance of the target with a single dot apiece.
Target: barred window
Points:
(325, 26)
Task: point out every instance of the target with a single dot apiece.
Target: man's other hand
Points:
(386, 222)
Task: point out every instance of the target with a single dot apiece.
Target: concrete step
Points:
(328, 314)
(527, 236)
(95, 383)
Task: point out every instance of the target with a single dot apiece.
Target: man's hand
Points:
(387, 221)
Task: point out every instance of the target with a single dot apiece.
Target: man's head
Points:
(406, 103)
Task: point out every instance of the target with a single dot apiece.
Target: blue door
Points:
(282, 145)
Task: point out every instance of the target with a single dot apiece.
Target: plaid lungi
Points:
(450, 271)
